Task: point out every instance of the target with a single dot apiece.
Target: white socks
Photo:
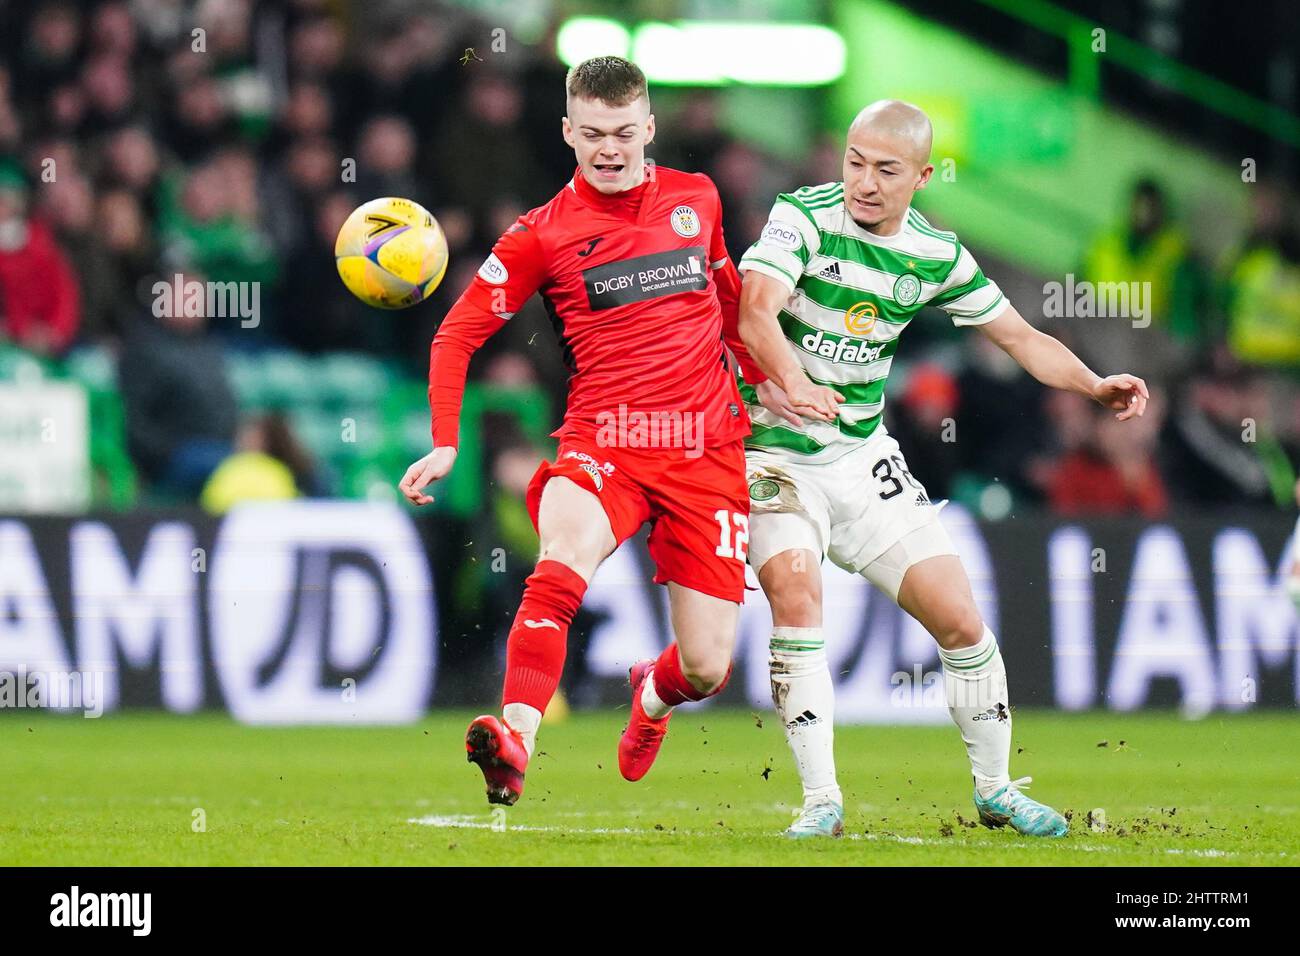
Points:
(525, 720)
(805, 700)
(976, 684)
(654, 708)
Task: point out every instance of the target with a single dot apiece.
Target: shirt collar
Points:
(629, 199)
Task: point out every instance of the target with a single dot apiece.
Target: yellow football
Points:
(391, 253)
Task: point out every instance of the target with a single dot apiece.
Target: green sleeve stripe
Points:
(951, 239)
(923, 225)
(798, 204)
(985, 311)
(815, 193)
(974, 284)
(826, 202)
(785, 272)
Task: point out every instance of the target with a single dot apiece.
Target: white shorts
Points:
(864, 510)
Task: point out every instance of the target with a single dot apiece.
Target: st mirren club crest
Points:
(685, 222)
(595, 474)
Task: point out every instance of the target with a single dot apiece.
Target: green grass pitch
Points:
(132, 789)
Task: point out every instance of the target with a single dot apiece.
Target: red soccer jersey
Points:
(626, 281)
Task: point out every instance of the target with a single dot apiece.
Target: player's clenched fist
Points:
(437, 464)
(1126, 394)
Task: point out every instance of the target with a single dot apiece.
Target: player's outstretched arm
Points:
(1052, 363)
(437, 464)
(761, 299)
(466, 327)
(504, 282)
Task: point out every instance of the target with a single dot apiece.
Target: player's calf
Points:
(694, 667)
(657, 687)
(804, 697)
(802, 690)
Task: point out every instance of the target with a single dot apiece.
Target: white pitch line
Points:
(1020, 844)
(465, 822)
(473, 823)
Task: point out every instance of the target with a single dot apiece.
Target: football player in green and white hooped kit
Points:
(836, 275)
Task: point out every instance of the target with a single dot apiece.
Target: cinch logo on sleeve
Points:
(781, 235)
(493, 270)
(646, 277)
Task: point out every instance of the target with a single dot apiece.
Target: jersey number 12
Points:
(729, 547)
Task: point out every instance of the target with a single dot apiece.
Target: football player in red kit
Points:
(632, 267)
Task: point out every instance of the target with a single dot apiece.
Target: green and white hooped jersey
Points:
(851, 295)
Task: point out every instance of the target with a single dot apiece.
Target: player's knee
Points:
(572, 554)
(561, 551)
(962, 628)
(706, 672)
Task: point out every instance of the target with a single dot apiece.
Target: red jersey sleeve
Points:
(513, 272)
(727, 282)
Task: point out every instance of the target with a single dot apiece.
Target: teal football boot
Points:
(1008, 806)
(824, 819)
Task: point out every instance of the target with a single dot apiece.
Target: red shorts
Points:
(698, 508)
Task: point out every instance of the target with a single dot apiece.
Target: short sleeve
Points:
(967, 295)
(788, 240)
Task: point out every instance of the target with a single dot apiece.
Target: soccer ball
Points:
(391, 253)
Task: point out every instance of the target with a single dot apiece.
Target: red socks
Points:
(671, 685)
(539, 639)
(540, 634)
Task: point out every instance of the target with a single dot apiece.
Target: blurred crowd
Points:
(134, 147)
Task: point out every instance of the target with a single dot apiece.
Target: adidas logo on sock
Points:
(832, 271)
(806, 719)
(998, 713)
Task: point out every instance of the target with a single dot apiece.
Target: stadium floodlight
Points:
(712, 53)
(584, 37)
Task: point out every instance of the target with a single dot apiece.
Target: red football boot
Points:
(642, 737)
(500, 753)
